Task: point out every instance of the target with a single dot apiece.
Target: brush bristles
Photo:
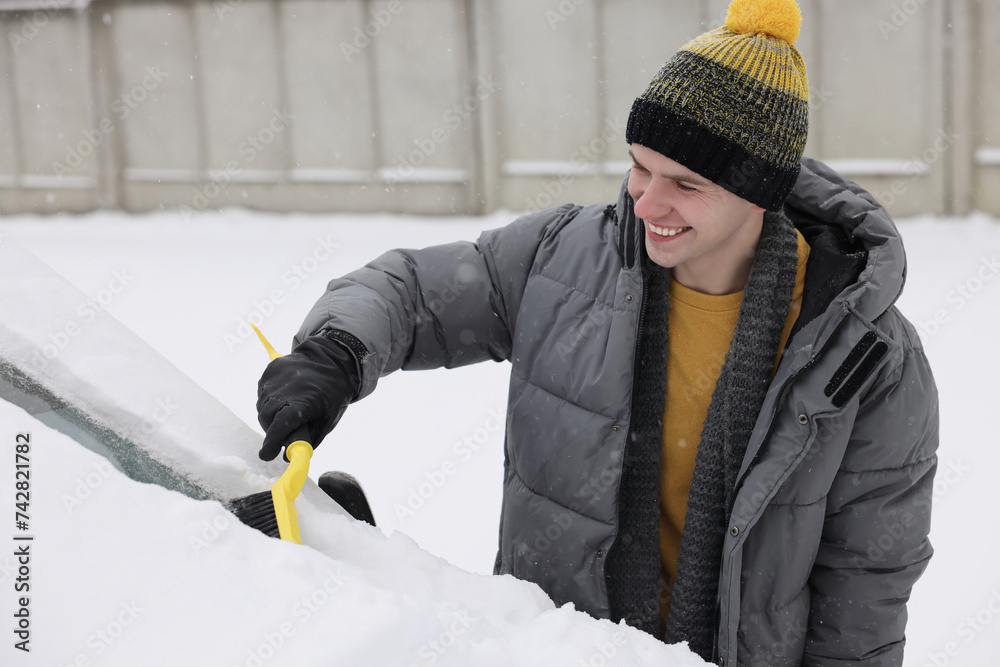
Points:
(257, 511)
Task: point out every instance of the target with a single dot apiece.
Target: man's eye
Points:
(683, 187)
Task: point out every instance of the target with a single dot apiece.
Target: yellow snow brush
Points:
(273, 512)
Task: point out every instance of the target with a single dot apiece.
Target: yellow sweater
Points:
(701, 327)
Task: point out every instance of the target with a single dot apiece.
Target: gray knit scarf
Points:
(632, 570)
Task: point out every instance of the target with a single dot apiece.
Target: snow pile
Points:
(124, 573)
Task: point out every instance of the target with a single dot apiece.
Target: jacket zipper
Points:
(767, 436)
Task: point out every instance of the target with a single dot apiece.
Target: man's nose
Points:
(654, 203)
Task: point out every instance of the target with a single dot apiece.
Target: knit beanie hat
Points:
(733, 103)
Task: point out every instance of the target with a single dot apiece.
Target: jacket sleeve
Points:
(875, 543)
(442, 306)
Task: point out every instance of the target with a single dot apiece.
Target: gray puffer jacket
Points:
(829, 528)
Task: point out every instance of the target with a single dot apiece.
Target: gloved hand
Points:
(312, 386)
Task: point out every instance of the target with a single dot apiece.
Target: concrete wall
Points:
(442, 106)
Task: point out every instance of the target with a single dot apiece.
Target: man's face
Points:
(705, 233)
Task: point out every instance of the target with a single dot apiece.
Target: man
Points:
(719, 427)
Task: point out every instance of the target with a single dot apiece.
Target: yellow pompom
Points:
(780, 18)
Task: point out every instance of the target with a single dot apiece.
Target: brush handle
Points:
(300, 433)
(298, 451)
(287, 488)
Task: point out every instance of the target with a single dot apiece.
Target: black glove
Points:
(312, 386)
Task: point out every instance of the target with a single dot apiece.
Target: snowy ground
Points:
(427, 446)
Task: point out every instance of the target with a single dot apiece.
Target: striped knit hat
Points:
(733, 103)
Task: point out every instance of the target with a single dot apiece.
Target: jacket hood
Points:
(859, 256)
(856, 253)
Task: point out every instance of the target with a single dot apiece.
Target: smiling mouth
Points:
(666, 231)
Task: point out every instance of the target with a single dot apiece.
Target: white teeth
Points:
(668, 231)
